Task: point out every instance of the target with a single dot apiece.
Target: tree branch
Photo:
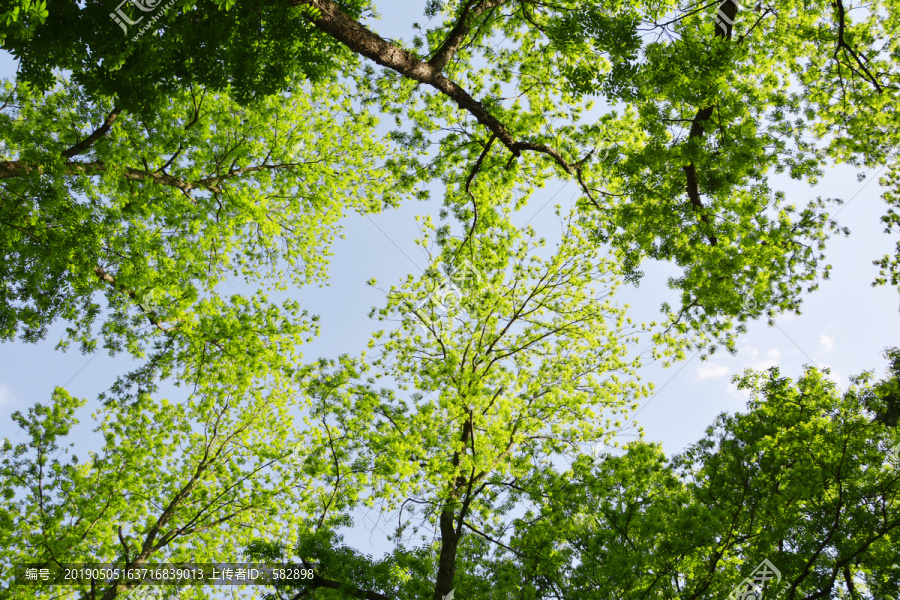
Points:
(446, 50)
(16, 168)
(329, 18)
(475, 169)
(727, 11)
(85, 144)
(124, 545)
(841, 43)
(490, 539)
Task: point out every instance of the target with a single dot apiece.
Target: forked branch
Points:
(327, 16)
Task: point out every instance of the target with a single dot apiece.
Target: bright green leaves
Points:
(178, 163)
(800, 480)
(883, 398)
(157, 216)
(718, 118)
(527, 352)
(190, 481)
(401, 574)
(597, 44)
(792, 87)
(506, 357)
(890, 265)
(683, 175)
(18, 16)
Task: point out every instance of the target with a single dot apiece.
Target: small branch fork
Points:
(329, 18)
(843, 45)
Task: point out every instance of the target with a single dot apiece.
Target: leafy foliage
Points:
(155, 216)
(232, 137)
(801, 479)
(193, 481)
(678, 168)
(213, 43)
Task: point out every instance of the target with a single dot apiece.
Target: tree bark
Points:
(450, 523)
(327, 16)
(449, 547)
(725, 15)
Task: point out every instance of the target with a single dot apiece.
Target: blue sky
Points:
(845, 325)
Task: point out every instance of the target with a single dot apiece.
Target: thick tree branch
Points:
(10, 169)
(16, 168)
(447, 558)
(329, 18)
(725, 15)
(450, 533)
(98, 133)
(211, 182)
(459, 32)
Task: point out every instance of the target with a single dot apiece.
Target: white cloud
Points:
(732, 390)
(827, 344)
(6, 396)
(711, 371)
(758, 362)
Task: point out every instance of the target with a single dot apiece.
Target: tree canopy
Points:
(825, 512)
(140, 221)
(225, 140)
(703, 112)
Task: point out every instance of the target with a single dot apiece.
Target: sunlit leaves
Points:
(156, 215)
(800, 480)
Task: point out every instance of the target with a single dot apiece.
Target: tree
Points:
(680, 172)
(154, 216)
(801, 480)
(883, 399)
(531, 362)
(527, 363)
(191, 481)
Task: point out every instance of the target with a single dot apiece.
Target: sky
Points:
(844, 326)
